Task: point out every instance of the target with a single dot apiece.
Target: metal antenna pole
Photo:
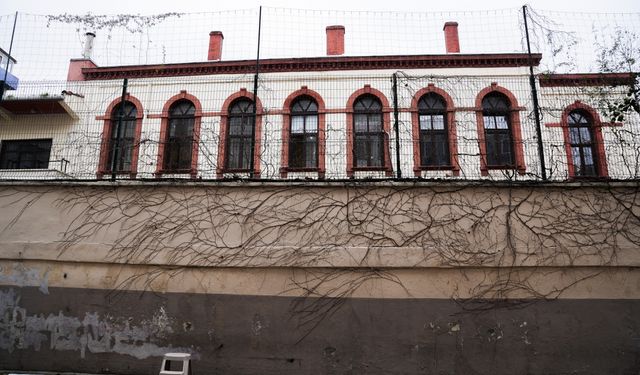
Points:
(255, 99)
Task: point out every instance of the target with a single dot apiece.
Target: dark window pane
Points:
(581, 140)
(432, 102)
(369, 132)
(179, 141)
(495, 102)
(25, 154)
(122, 137)
(239, 140)
(434, 140)
(498, 141)
(303, 141)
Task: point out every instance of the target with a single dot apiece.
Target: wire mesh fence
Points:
(377, 122)
(315, 127)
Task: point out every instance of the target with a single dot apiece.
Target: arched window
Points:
(303, 138)
(434, 134)
(126, 139)
(178, 143)
(368, 132)
(581, 141)
(239, 142)
(497, 131)
(122, 140)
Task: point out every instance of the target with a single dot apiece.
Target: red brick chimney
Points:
(451, 40)
(215, 45)
(335, 40)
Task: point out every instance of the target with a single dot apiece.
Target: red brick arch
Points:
(451, 129)
(224, 118)
(104, 166)
(516, 129)
(193, 170)
(286, 127)
(386, 125)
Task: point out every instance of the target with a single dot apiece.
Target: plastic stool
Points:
(166, 368)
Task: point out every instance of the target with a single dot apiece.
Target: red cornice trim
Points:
(587, 79)
(312, 64)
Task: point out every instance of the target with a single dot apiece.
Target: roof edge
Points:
(310, 64)
(587, 79)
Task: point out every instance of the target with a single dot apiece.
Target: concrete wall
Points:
(321, 278)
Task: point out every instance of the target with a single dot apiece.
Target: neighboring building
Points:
(293, 246)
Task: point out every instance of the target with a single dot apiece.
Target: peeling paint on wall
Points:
(19, 330)
(21, 276)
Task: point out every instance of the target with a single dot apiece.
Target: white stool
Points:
(167, 369)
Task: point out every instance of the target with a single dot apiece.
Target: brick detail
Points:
(75, 69)
(335, 40)
(451, 40)
(215, 45)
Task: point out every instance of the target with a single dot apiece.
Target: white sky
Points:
(159, 6)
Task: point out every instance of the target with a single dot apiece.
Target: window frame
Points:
(244, 138)
(164, 130)
(450, 124)
(224, 126)
(285, 168)
(598, 149)
(515, 132)
(176, 120)
(494, 135)
(384, 132)
(304, 136)
(104, 164)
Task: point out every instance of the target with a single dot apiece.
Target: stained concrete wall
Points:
(321, 278)
(96, 331)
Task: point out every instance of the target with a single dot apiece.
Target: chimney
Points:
(335, 40)
(451, 40)
(88, 45)
(215, 45)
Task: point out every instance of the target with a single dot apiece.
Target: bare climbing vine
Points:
(516, 237)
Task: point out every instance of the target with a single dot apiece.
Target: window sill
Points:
(520, 169)
(381, 168)
(301, 169)
(435, 168)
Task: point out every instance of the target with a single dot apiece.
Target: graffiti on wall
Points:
(92, 333)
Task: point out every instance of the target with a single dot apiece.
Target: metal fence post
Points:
(118, 129)
(534, 96)
(395, 124)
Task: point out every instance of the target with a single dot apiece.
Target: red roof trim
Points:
(312, 64)
(587, 79)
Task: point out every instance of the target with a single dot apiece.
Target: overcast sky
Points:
(159, 6)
